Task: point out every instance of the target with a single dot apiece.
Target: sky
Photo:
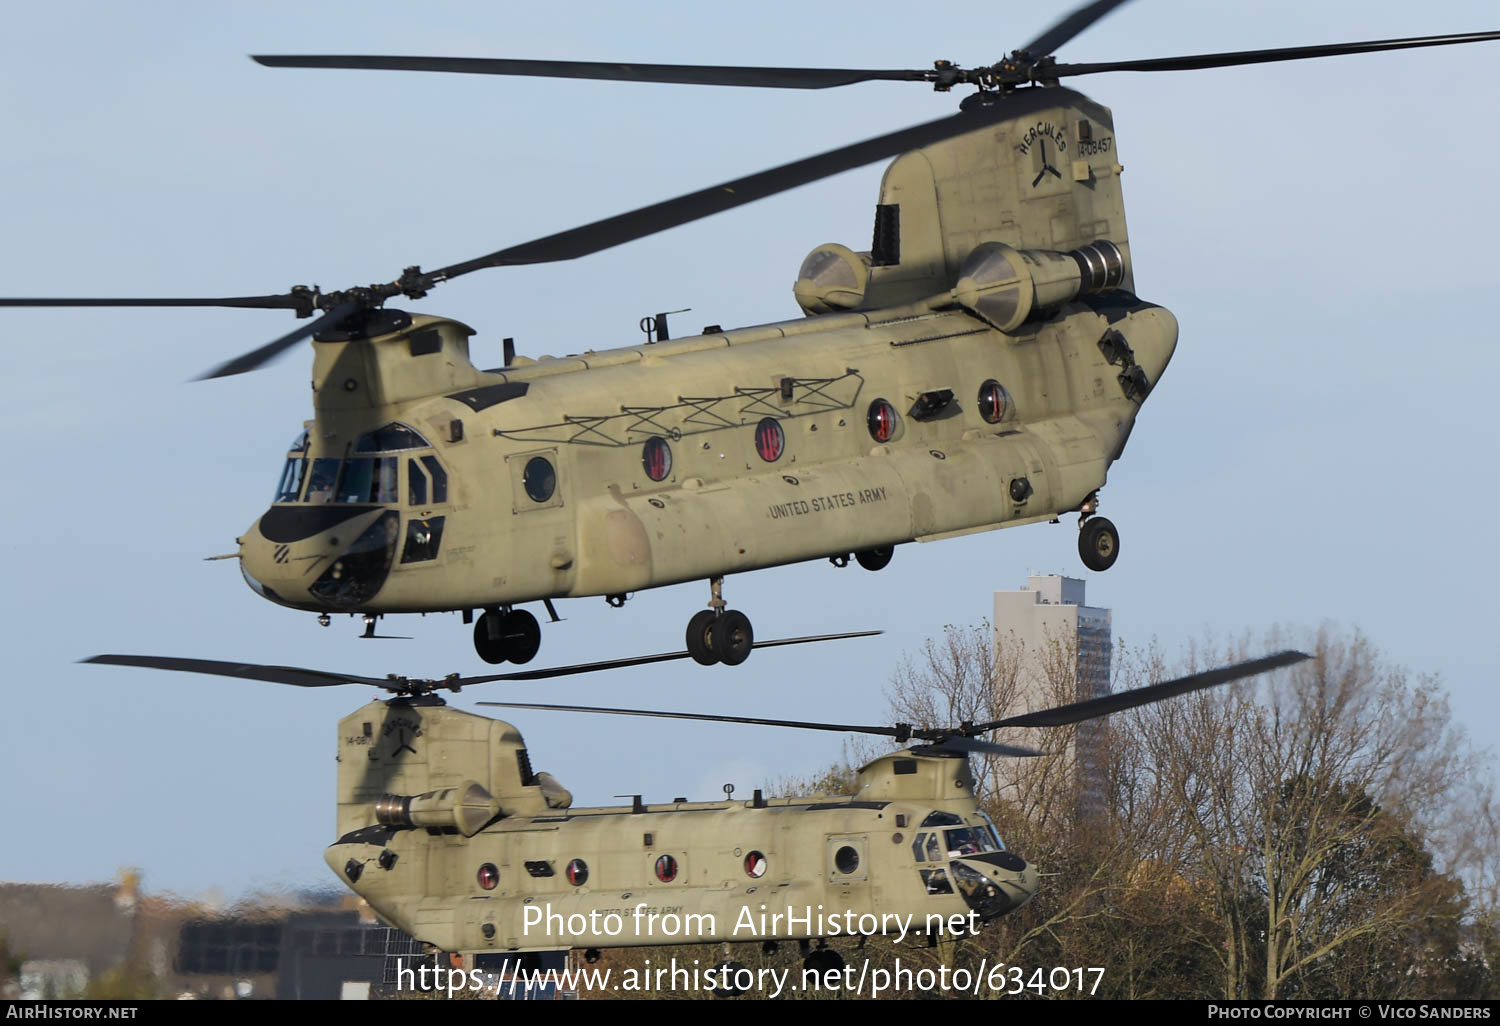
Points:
(1320, 450)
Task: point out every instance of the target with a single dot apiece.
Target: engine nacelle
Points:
(1004, 285)
(833, 278)
(465, 808)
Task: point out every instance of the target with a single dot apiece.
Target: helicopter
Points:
(448, 831)
(980, 366)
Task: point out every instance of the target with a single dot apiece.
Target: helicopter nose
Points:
(1008, 882)
(331, 558)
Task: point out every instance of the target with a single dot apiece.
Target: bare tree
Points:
(1309, 803)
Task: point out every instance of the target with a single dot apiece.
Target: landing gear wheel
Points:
(1098, 543)
(823, 960)
(876, 558)
(490, 644)
(733, 637)
(522, 636)
(513, 636)
(700, 638)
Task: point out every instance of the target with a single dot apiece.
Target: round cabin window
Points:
(755, 865)
(769, 440)
(539, 479)
(846, 859)
(578, 872)
(994, 401)
(489, 876)
(882, 421)
(656, 458)
(666, 869)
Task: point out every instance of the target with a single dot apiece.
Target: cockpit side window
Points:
(439, 479)
(416, 484)
(936, 881)
(290, 487)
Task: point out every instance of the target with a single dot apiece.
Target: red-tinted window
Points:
(489, 876)
(578, 872)
(993, 401)
(769, 440)
(657, 459)
(755, 865)
(882, 421)
(666, 869)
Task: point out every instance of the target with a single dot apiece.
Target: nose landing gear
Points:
(717, 634)
(507, 634)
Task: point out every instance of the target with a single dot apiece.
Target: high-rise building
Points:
(1051, 649)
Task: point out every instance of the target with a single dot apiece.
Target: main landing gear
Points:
(1098, 541)
(717, 634)
(871, 559)
(507, 634)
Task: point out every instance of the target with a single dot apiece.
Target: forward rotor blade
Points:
(1106, 704)
(681, 74)
(1292, 53)
(277, 302)
(251, 360)
(613, 231)
(1069, 27)
(294, 675)
(615, 664)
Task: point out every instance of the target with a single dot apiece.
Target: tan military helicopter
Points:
(450, 834)
(980, 366)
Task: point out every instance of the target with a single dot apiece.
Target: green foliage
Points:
(126, 982)
(10, 963)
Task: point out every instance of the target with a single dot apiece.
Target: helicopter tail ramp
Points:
(1049, 181)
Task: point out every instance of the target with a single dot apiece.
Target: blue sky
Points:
(1320, 449)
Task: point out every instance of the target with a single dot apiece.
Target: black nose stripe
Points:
(293, 523)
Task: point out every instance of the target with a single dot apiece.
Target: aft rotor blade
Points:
(1106, 704)
(973, 746)
(622, 228)
(1070, 26)
(845, 728)
(681, 74)
(662, 657)
(255, 358)
(1291, 53)
(294, 675)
